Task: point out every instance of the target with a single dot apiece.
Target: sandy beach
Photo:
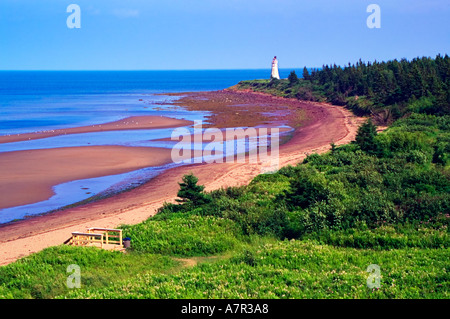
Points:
(129, 123)
(28, 176)
(316, 126)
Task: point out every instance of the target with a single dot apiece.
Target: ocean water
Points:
(40, 100)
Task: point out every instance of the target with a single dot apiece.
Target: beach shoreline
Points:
(321, 124)
(129, 123)
(29, 176)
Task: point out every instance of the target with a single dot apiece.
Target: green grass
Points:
(44, 274)
(184, 235)
(258, 267)
(303, 90)
(386, 237)
(295, 269)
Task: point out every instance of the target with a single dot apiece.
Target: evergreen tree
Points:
(190, 192)
(306, 75)
(293, 78)
(365, 138)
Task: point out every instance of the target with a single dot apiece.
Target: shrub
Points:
(305, 94)
(184, 235)
(307, 187)
(374, 207)
(426, 206)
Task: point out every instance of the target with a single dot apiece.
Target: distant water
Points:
(40, 100)
(37, 100)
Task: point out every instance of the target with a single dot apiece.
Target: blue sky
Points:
(216, 34)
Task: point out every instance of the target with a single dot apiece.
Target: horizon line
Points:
(144, 70)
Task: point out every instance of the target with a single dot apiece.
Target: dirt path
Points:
(325, 124)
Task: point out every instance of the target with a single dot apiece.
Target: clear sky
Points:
(216, 34)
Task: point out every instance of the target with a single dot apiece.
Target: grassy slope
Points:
(294, 269)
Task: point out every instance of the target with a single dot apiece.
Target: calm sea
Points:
(39, 100)
(36, 100)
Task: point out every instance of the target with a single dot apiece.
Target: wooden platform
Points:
(105, 238)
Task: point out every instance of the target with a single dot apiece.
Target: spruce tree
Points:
(293, 78)
(365, 138)
(306, 75)
(190, 192)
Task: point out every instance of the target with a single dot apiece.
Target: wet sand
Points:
(316, 126)
(28, 176)
(129, 123)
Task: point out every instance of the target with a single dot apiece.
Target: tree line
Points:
(421, 85)
(386, 90)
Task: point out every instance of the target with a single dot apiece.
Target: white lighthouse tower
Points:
(275, 74)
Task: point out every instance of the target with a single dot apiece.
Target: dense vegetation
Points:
(293, 269)
(309, 230)
(306, 231)
(376, 191)
(388, 90)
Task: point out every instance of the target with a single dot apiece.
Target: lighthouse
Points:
(275, 74)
